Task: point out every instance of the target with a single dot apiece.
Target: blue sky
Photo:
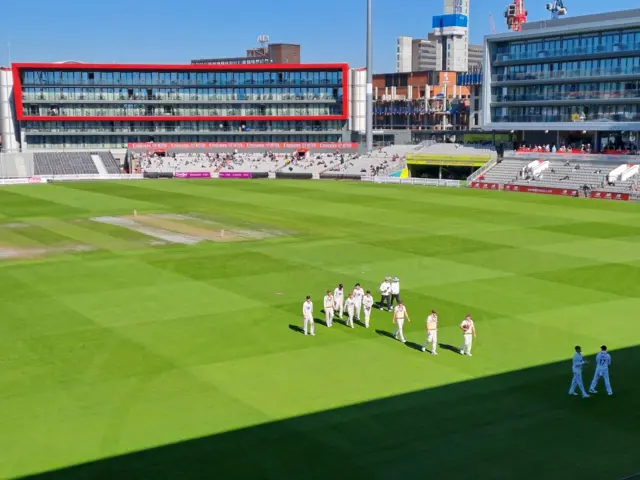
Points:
(173, 31)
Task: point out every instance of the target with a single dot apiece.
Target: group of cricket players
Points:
(603, 362)
(359, 301)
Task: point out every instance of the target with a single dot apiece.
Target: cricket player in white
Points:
(307, 315)
(338, 295)
(395, 292)
(469, 333)
(350, 305)
(385, 291)
(603, 361)
(367, 303)
(399, 314)
(358, 293)
(576, 366)
(328, 308)
(432, 333)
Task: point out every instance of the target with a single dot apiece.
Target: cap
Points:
(396, 279)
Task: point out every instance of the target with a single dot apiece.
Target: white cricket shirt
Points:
(603, 360)
(367, 301)
(328, 302)
(577, 363)
(350, 304)
(468, 326)
(307, 309)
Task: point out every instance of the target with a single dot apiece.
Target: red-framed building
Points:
(77, 105)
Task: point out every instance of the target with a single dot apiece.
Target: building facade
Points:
(404, 54)
(421, 54)
(473, 81)
(452, 32)
(74, 105)
(279, 53)
(476, 54)
(407, 106)
(566, 81)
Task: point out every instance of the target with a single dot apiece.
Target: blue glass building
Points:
(565, 79)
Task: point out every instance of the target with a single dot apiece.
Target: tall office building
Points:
(404, 54)
(452, 32)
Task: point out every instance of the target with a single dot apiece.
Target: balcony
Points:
(599, 50)
(581, 97)
(577, 119)
(176, 98)
(567, 75)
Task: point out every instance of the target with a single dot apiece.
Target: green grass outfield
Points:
(133, 361)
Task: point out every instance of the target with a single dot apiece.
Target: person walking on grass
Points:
(307, 317)
(432, 332)
(603, 362)
(399, 314)
(469, 333)
(328, 308)
(576, 366)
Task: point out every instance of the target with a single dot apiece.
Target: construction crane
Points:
(516, 15)
(557, 9)
(492, 23)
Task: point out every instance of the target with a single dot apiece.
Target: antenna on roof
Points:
(263, 40)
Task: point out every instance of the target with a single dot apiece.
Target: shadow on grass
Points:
(451, 348)
(414, 346)
(520, 424)
(296, 329)
(320, 321)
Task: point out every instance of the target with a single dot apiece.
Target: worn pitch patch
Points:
(157, 233)
(13, 253)
(184, 229)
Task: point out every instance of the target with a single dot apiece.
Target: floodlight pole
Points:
(369, 110)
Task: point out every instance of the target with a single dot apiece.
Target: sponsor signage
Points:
(566, 192)
(234, 175)
(625, 197)
(192, 175)
(22, 181)
(485, 185)
(244, 145)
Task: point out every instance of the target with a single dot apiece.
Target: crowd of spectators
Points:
(583, 149)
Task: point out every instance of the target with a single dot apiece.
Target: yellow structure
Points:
(447, 160)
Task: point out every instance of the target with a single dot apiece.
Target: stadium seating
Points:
(63, 163)
(562, 173)
(110, 163)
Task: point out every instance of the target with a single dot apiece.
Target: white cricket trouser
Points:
(432, 338)
(328, 315)
(399, 332)
(358, 309)
(466, 346)
(339, 307)
(367, 316)
(577, 382)
(601, 373)
(308, 322)
(350, 317)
